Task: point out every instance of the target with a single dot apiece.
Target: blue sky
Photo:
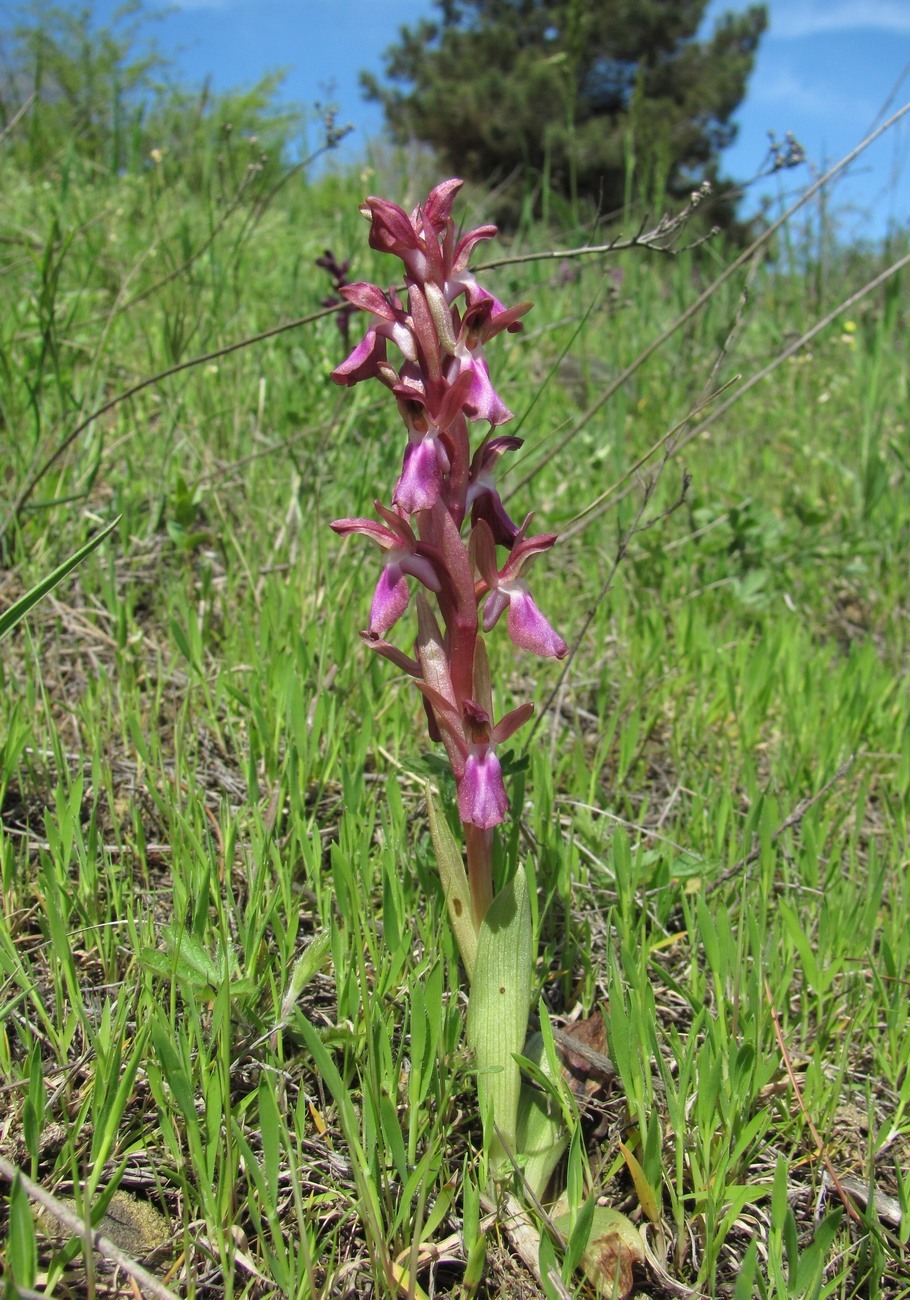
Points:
(826, 70)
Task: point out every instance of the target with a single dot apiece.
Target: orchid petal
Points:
(368, 297)
(529, 629)
(495, 603)
(508, 725)
(438, 208)
(524, 550)
(483, 553)
(363, 363)
(423, 569)
(392, 653)
(487, 506)
(384, 537)
(483, 402)
(468, 243)
(482, 799)
(420, 483)
(390, 600)
(391, 231)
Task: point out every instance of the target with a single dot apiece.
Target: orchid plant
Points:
(447, 539)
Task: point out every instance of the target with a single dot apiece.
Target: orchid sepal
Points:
(392, 653)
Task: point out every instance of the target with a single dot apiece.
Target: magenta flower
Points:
(482, 798)
(483, 496)
(388, 321)
(441, 381)
(404, 556)
(508, 590)
(426, 460)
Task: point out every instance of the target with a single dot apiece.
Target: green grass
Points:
(227, 985)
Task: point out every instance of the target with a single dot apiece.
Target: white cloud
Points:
(814, 18)
(818, 99)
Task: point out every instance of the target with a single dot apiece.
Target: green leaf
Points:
(18, 610)
(474, 1265)
(746, 1276)
(270, 1131)
(549, 1269)
(307, 965)
(391, 1132)
(183, 644)
(811, 1265)
(498, 1012)
(177, 1077)
(21, 1247)
(542, 1137)
(439, 1211)
(579, 1238)
(108, 1125)
(369, 1201)
(647, 1198)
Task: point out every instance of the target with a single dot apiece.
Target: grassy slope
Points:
(212, 818)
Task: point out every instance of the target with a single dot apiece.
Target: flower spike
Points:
(440, 327)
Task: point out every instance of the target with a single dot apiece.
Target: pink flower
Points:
(482, 798)
(483, 497)
(387, 321)
(405, 556)
(440, 326)
(528, 628)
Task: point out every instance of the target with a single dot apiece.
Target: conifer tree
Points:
(605, 99)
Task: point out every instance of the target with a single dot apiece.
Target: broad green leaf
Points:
(543, 1131)
(498, 1012)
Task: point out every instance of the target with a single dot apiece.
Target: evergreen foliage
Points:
(606, 99)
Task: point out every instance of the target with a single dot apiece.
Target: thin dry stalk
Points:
(703, 298)
(90, 1238)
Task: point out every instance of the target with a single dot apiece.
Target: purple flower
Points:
(425, 464)
(440, 326)
(484, 403)
(528, 628)
(426, 457)
(482, 322)
(405, 556)
(482, 798)
(483, 497)
(387, 321)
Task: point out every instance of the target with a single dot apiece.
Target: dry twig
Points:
(90, 1237)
